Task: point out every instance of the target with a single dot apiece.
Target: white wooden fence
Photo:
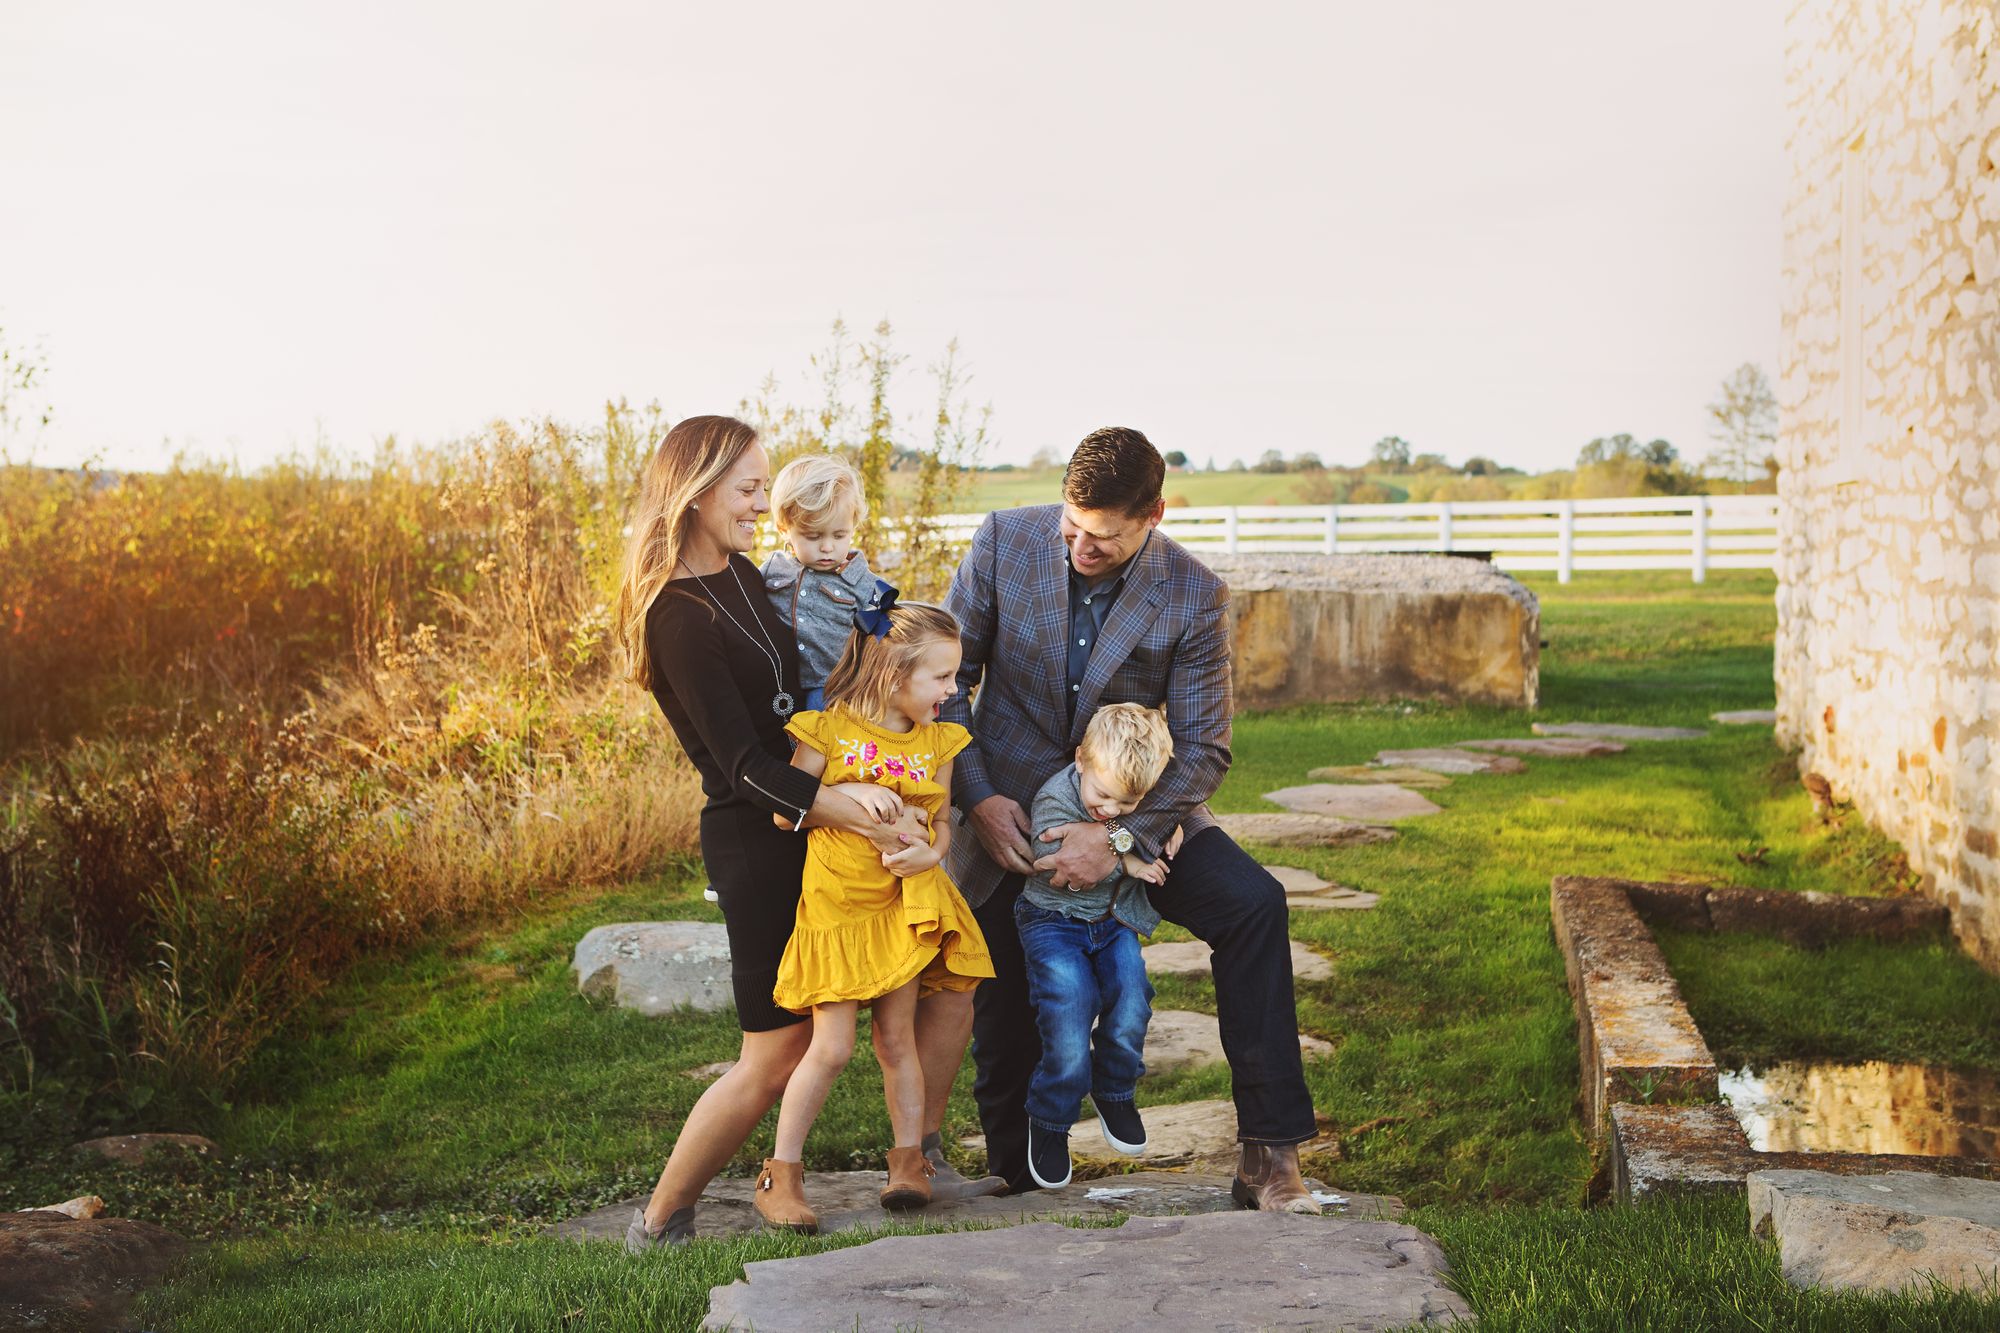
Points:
(1692, 532)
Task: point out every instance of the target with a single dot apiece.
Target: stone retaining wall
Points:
(1316, 628)
(1888, 644)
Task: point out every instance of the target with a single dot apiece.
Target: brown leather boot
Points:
(1268, 1179)
(780, 1197)
(909, 1179)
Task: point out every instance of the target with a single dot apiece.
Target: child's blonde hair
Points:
(870, 668)
(1127, 745)
(808, 490)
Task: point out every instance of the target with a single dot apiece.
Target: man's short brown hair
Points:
(1116, 468)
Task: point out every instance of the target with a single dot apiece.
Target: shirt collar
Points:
(1110, 582)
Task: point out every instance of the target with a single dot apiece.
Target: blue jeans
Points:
(1080, 973)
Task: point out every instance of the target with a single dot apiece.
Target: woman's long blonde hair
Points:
(696, 454)
(870, 668)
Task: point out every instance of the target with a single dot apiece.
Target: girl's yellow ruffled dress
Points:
(861, 932)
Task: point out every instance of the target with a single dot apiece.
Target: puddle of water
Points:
(1875, 1107)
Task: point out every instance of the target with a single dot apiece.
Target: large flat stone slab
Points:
(1546, 747)
(1635, 1036)
(62, 1272)
(1417, 779)
(1294, 879)
(1881, 1232)
(1296, 830)
(1190, 958)
(1376, 801)
(1167, 1275)
(1450, 761)
(1181, 1039)
(1746, 717)
(656, 967)
(1337, 900)
(1315, 628)
(1617, 731)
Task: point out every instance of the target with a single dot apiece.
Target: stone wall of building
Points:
(1889, 388)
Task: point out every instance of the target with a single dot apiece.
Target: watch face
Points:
(1121, 841)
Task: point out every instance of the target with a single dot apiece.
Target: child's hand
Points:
(1173, 846)
(1153, 872)
(911, 860)
(879, 802)
(911, 828)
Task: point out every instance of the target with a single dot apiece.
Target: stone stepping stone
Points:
(1295, 879)
(656, 967)
(1344, 900)
(1296, 830)
(1885, 1232)
(1176, 1134)
(709, 1073)
(1164, 1274)
(134, 1149)
(849, 1201)
(1421, 779)
(1547, 747)
(1179, 1039)
(1378, 801)
(1444, 759)
(1617, 731)
(1747, 717)
(1189, 958)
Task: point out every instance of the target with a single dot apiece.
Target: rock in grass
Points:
(1295, 830)
(1165, 1275)
(656, 967)
(58, 1271)
(1179, 1039)
(1617, 731)
(1886, 1232)
(1376, 801)
(1746, 717)
(1444, 759)
(132, 1149)
(1190, 958)
(1293, 880)
(1419, 779)
(1547, 747)
(1335, 900)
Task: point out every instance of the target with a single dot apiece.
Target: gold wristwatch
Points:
(1118, 836)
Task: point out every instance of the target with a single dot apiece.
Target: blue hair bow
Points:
(872, 617)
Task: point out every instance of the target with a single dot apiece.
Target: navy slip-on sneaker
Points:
(1123, 1129)
(1048, 1156)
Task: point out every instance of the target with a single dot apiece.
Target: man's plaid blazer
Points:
(1165, 643)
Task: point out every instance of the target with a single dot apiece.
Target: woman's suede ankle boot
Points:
(909, 1179)
(780, 1197)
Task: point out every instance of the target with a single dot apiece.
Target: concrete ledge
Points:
(1636, 1038)
(1702, 1146)
(1804, 918)
(1314, 628)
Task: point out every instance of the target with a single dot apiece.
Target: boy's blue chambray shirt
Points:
(819, 606)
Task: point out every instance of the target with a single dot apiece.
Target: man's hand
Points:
(1002, 828)
(1085, 858)
(1153, 872)
(880, 802)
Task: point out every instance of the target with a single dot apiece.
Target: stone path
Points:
(1746, 717)
(1367, 801)
(849, 1201)
(1547, 747)
(1192, 1134)
(1450, 761)
(1617, 731)
(1167, 1275)
(1190, 958)
(1296, 830)
(1417, 779)
(1886, 1232)
(1182, 1039)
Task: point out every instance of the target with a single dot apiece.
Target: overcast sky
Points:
(1495, 229)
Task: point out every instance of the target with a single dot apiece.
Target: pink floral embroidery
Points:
(894, 763)
(868, 750)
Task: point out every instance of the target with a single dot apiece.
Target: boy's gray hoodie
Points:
(819, 606)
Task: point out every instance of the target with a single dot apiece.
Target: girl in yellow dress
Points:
(874, 928)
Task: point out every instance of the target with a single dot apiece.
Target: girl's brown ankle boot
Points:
(909, 1179)
(780, 1197)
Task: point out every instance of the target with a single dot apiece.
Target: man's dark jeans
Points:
(1082, 973)
(1217, 892)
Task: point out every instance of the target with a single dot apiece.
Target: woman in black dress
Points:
(700, 634)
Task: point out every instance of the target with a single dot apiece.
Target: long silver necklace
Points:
(781, 703)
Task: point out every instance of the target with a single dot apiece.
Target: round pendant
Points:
(781, 704)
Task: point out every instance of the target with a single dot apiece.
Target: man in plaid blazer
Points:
(1064, 608)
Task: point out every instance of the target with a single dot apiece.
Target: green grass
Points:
(465, 1096)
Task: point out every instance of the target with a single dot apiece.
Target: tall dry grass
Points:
(253, 726)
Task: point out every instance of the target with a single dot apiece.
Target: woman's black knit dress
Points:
(713, 680)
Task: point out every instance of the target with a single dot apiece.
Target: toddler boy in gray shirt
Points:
(1081, 945)
(813, 579)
